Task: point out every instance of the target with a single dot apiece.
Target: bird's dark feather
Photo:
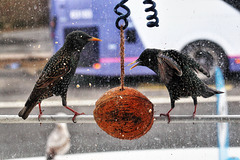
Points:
(45, 79)
(167, 68)
(177, 72)
(183, 59)
(58, 72)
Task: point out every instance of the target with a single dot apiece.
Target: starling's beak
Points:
(133, 63)
(94, 39)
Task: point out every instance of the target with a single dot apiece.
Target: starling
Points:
(177, 72)
(57, 73)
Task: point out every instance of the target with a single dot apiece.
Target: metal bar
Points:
(199, 119)
(6, 119)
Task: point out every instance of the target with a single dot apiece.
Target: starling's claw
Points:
(40, 111)
(75, 115)
(73, 119)
(167, 115)
(194, 112)
(40, 114)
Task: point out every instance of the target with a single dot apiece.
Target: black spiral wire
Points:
(124, 17)
(121, 15)
(151, 17)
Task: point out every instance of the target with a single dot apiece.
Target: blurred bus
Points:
(207, 30)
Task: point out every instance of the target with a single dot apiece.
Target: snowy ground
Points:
(168, 154)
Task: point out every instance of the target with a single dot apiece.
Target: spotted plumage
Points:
(177, 72)
(58, 72)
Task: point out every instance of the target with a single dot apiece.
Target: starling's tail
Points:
(210, 92)
(24, 113)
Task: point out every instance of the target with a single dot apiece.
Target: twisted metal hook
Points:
(121, 15)
(151, 17)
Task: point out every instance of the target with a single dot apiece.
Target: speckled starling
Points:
(177, 72)
(57, 73)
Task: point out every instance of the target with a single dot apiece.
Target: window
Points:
(32, 31)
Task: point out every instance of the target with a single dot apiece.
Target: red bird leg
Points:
(40, 111)
(195, 106)
(167, 114)
(75, 113)
(194, 113)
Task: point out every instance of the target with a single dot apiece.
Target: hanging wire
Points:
(151, 17)
(6, 119)
(121, 15)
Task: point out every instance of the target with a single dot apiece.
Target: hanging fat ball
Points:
(124, 114)
(58, 142)
(177, 72)
(57, 73)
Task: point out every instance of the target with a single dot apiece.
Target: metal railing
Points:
(6, 119)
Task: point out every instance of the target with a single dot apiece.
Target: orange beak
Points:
(94, 39)
(133, 63)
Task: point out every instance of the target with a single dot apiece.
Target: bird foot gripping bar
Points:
(4, 119)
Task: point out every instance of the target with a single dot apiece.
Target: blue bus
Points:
(209, 31)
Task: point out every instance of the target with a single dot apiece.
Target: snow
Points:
(169, 154)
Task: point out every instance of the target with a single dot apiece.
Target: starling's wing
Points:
(190, 62)
(167, 68)
(52, 73)
(196, 66)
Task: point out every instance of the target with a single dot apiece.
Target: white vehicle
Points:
(207, 30)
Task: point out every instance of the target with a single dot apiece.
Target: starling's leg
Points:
(195, 106)
(40, 111)
(168, 113)
(64, 103)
